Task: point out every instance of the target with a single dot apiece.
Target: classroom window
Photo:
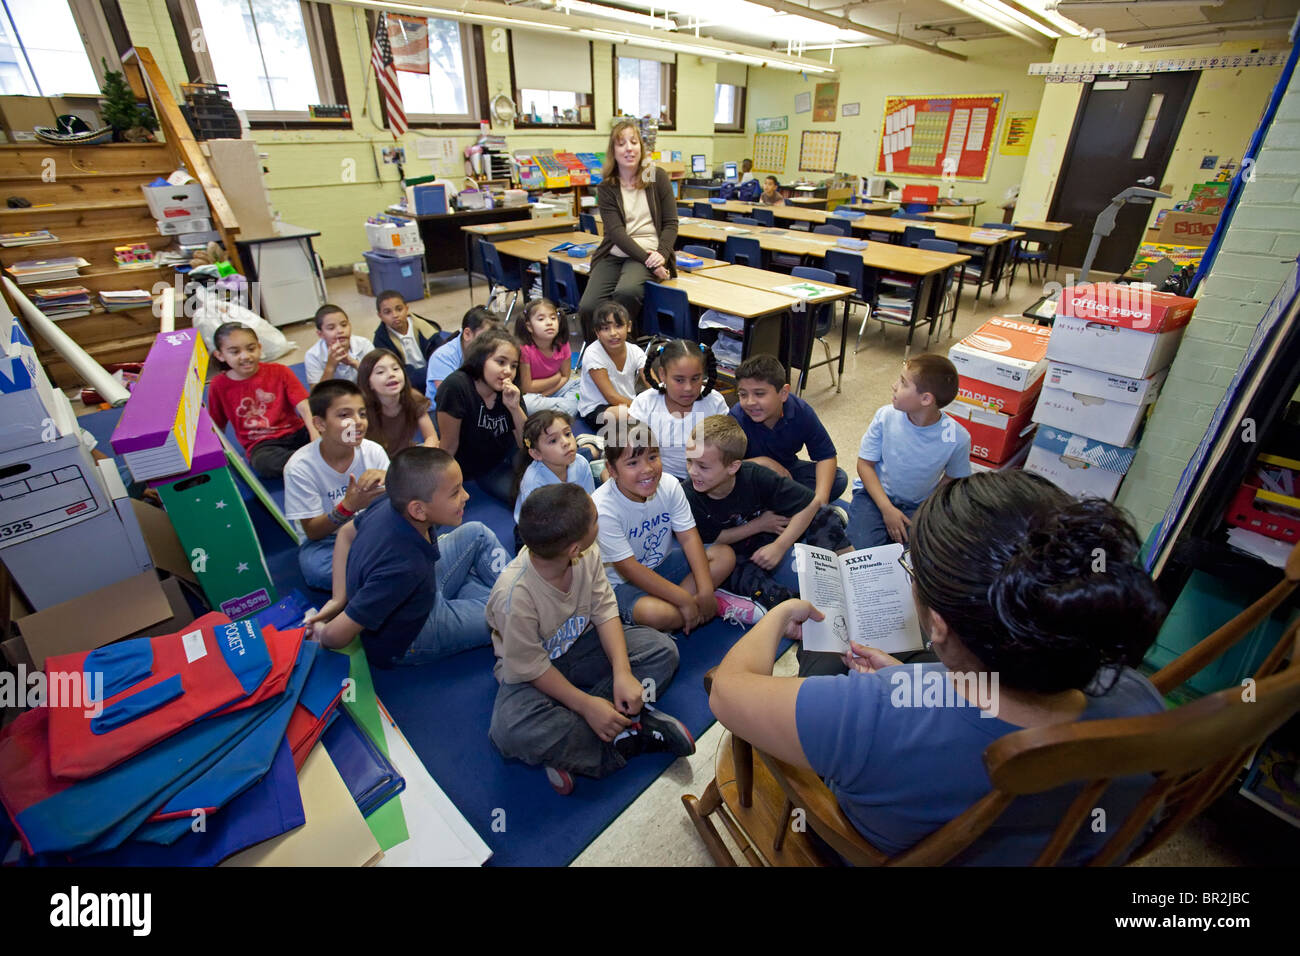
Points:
(449, 93)
(646, 87)
(271, 55)
(551, 77)
(728, 108)
(52, 47)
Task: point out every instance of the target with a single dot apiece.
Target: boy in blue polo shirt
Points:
(447, 358)
(412, 599)
(779, 425)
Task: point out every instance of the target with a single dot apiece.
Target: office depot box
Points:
(215, 529)
(155, 435)
(994, 436)
(1125, 306)
(1188, 228)
(1001, 363)
(1082, 466)
(1100, 405)
(27, 403)
(1108, 348)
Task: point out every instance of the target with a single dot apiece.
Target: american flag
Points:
(381, 58)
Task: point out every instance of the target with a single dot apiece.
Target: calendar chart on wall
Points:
(769, 152)
(924, 135)
(818, 151)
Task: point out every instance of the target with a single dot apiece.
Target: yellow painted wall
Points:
(868, 75)
(332, 180)
(1224, 111)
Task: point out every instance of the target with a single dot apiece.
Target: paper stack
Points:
(64, 303)
(46, 270)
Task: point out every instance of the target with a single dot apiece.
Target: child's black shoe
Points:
(655, 732)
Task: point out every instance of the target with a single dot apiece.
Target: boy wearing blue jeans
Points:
(779, 425)
(412, 598)
(575, 684)
(909, 448)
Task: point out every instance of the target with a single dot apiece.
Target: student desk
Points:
(948, 215)
(1047, 234)
(808, 202)
(792, 213)
(772, 281)
(996, 242)
(538, 249)
(491, 230)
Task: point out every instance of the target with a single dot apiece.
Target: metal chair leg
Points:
(829, 364)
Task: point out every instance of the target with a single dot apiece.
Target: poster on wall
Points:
(802, 102)
(921, 134)
(769, 152)
(818, 151)
(851, 109)
(824, 102)
(773, 124)
(1017, 134)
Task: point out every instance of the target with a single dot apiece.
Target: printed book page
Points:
(865, 595)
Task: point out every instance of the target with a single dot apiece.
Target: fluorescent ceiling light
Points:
(1011, 12)
(615, 13)
(794, 66)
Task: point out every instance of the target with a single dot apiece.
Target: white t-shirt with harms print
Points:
(642, 530)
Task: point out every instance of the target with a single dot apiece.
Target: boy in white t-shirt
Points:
(338, 353)
(611, 366)
(331, 479)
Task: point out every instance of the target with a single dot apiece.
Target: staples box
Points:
(1082, 466)
(994, 437)
(1001, 364)
(1100, 405)
(27, 403)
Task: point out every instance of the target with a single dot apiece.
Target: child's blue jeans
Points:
(866, 524)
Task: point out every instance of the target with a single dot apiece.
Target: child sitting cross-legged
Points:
(657, 585)
(573, 679)
(550, 456)
(755, 511)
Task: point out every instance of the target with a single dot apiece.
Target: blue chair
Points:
(587, 223)
(703, 252)
(948, 300)
(912, 235)
(666, 311)
(916, 207)
(744, 220)
(497, 276)
(702, 210)
(849, 269)
(743, 251)
(684, 211)
(562, 289)
(901, 214)
(819, 317)
(763, 217)
(1010, 256)
(834, 227)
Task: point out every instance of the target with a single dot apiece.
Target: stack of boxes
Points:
(1109, 353)
(66, 524)
(1000, 369)
(178, 210)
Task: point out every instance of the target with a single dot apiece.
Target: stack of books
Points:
(67, 303)
(46, 270)
(116, 301)
(36, 237)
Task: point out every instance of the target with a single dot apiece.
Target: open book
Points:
(865, 595)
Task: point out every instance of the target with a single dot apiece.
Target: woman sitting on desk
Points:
(770, 196)
(1035, 598)
(639, 215)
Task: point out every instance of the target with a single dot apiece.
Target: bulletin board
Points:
(920, 132)
(818, 151)
(769, 152)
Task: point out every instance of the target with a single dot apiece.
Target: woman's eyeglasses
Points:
(905, 559)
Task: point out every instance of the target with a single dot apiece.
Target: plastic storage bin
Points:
(404, 274)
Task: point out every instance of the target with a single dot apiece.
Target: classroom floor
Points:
(655, 830)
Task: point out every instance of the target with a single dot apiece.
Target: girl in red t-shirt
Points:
(265, 401)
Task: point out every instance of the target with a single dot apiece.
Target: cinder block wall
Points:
(1258, 252)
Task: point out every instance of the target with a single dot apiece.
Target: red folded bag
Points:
(138, 692)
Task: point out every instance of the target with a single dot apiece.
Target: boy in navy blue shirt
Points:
(412, 598)
(779, 425)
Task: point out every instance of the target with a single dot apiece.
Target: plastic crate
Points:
(404, 274)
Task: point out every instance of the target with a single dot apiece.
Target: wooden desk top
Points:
(728, 297)
(812, 202)
(549, 224)
(948, 215)
(1044, 225)
(538, 248)
(771, 281)
(778, 212)
(942, 230)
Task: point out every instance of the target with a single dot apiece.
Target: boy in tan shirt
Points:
(575, 685)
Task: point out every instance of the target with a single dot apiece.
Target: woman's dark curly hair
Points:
(1042, 588)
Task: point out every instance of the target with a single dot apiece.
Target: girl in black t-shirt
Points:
(481, 413)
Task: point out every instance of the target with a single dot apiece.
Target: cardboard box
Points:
(390, 236)
(137, 607)
(1125, 306)
(1188, 228)
(994, 437)
(1121, 351)
(1082, 466)
(22, 114)
(155, 435)
(1015, 461)
(1001, 363)
(179, 227)
(361, 273)
(176, 202)
(1100, 405)
(27, 403)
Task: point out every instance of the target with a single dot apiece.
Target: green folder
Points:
(388, 822)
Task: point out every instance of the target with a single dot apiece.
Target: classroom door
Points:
(1124, 131)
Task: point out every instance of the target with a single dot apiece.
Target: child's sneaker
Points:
(735, 609)
(560, 780)
(593, 444)
(655, 732)
(843, 515)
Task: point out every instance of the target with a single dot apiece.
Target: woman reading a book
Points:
(1037, 614)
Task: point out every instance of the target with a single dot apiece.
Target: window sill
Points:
(519, 127)
(301, 124)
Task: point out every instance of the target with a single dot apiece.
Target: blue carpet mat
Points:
(444, 710)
